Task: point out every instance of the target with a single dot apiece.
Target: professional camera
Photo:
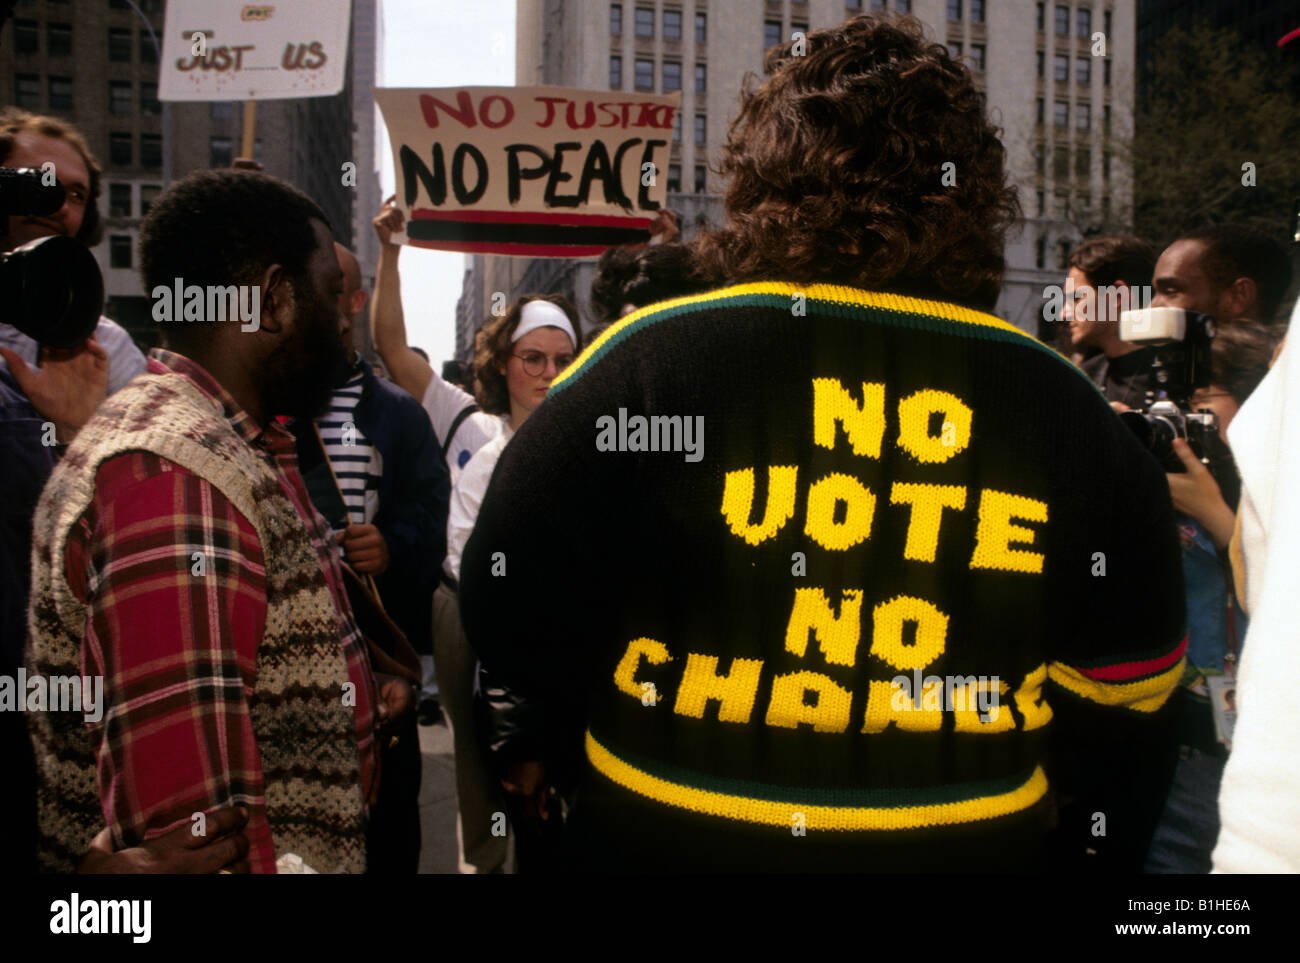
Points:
(1179, 343)
(50, 288)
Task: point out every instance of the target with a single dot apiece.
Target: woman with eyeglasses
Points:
(517, 356)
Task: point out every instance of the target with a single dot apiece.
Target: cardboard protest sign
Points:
(528, 171)
(229, 50)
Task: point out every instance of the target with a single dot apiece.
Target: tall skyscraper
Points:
(1061, 95)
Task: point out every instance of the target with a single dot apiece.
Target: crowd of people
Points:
(649, 662)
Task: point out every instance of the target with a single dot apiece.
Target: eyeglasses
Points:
(534, 362)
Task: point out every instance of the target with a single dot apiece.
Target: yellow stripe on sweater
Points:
(1147, 695)
(834, 293)
(772, 813)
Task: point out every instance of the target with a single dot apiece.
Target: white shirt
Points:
(443, 401)
(1259, 801)
(124, 359)
(467, 495)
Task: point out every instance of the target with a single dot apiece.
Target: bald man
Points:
(375, 471)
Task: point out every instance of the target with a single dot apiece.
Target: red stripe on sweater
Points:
(1126, 671)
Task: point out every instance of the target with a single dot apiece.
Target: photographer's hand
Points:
(67, 387)
(1196, 494)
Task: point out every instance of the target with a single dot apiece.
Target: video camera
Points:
(50, 288)
(1180, 343)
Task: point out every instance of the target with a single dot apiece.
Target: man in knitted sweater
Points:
(853, 552)
(178, 563)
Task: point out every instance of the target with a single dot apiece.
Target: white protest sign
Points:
(229, 50)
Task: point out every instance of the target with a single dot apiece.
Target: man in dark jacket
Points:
(374, 469)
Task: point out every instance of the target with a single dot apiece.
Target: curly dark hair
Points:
(493, 344)
(837, 170)
(640, 276)
(221, 227)
(1240, 355)
(14, 121)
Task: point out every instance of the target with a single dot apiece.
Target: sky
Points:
(439, 43)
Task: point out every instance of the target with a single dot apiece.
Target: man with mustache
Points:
(178, 556)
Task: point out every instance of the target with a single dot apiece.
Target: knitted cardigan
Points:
(783, 545)
(305, 733)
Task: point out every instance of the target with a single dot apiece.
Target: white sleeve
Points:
(443, 401)
(466, 498)
(124, 359)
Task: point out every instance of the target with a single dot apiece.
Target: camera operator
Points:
(1228, 271)
(30, 140)
(1104, 274)
(1189, 824)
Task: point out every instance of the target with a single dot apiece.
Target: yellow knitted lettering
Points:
(820, 524)
(656, 653)
(864, 426)
(738, 502)
(838, 637)
(888, 702)
(788, 708)
(928, 503)
(965, 707)
(887, 632)
(1030, 701)
(914, 436)
(995, 533)
(735, 691)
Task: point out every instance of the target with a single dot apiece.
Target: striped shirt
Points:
(357, 464)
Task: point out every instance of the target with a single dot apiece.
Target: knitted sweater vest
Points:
(305, 733)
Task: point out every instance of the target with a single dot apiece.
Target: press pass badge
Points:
(1223, 700)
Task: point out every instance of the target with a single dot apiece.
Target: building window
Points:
(119, 45)
(853, 4)
(1040, 158)
(1105, 207)
(151, 151)
(26, 37)
(954, 10)
(616, 19)
(1105, 70)
(120, 149)
(58, 39)
(1042, 57)
(219, 152)
(1106, 21)
(977, 55)
(27, 90)
(148, 55)
(1062, 21)
(1061, 115)
(148, 194)
(1083, 71)
(119, 250)
(672, 25)
(701, 28)
(1105, 119)
(677, 127)
(903, 6)
(119, 97)
(1083, 116)
(1042, 203)
(60, 93)
(1060, 204)
(675, 178)
(799, 28)
(1061, 163)
(1061, 68)
(220, 110)
(976, 11)
(1041, 107)
(1042, 8)
(1083, 162)
(645, 75)
(954, 49)
(119, 200)
(149, 99)
(701, 78)
(1040, 253)
(1105, 166)
(1063, 258)
(672, 75)
(1083, 22)
(875, 5)
(615, 72)
(771, 33)
(701, 130)
(701, 179)
(645, 22)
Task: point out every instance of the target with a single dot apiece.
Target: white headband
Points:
(543, 314)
